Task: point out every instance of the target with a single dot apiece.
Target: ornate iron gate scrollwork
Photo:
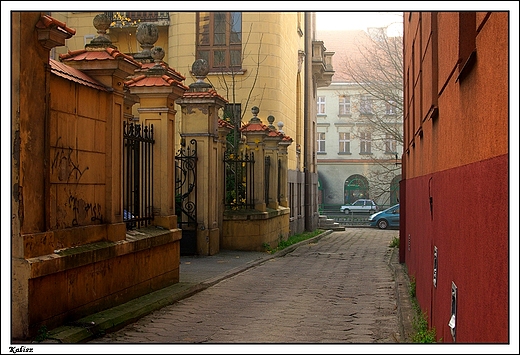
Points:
(186, 197)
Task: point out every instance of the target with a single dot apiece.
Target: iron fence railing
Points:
(134, 18)
(137, 174)
(267, 174)
(239, 180)
(185, 185)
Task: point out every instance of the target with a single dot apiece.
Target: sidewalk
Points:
(197, 273)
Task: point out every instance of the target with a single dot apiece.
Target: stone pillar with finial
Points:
(200, 107)
(271, 153)
(285, 142)
(255, 132)
(157, 87)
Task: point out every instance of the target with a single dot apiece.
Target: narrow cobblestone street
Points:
(337, 290)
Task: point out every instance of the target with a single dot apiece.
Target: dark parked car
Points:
(361, 205)
(386, 218)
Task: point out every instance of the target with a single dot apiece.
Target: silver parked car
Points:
(361, 205)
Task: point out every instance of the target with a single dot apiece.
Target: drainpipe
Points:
(307, 149)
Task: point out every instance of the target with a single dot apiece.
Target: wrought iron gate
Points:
(186, 197)
(137, 174)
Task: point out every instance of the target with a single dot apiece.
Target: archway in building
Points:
(356, 186)
(394, 190)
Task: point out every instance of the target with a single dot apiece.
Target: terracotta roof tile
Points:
(74, 75)
(108, 53)
(154, 81)
(208, 94)
(171, 71)
(273, 133)
(47, 21)
(254, 127)
(224, 124)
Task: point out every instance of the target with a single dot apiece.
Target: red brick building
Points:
(454, 235)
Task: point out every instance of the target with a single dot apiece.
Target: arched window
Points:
(394, 190)
(356, 186)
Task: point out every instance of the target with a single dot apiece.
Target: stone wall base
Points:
(251, 230)
(72, 283)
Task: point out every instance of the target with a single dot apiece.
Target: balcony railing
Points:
(134, 18)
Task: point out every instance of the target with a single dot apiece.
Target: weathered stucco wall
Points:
(454, 196)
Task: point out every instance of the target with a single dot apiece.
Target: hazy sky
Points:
(359, 20)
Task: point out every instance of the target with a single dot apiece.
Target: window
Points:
(365, 146)
(321, 142)
(321, 105)
(344, 105)
(467, 42)
(390, 107)
(365, 106)
(219, 39)
(390, 144)
(344, 142)
(356, 186)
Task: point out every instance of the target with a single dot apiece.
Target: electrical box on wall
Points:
(453, 319)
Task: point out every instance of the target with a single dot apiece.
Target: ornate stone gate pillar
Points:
(157, 87)
(200, 106)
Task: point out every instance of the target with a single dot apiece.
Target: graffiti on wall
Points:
(72, 210)
(64, 165)
(83, 210)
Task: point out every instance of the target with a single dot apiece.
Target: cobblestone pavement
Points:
(339, 289)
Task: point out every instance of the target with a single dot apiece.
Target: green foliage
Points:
(394, 243)
(420, 320)
(412, 287)
(282, 244)
(420, 325)
(42, 334)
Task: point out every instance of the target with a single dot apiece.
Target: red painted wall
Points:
(456, 155)
(471, 236)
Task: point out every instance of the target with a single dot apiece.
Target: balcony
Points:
(322, 64)
(134, 18)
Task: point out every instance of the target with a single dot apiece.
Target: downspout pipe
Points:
(307, 147)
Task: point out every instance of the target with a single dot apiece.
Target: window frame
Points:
(321, 104)
(366, 105)
(344, 107)
(344, 143)
(365, 143)
(320, 140)
(390, 144)
(206, 41)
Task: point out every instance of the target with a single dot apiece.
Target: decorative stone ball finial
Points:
(158, 55)
(280, 126)
(255, 110)
(270, 119)
(200, 69)
(146, 34)
(101, 22)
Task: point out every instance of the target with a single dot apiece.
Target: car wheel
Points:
(382, 224)
(347, 211)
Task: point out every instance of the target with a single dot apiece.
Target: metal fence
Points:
(137, 174)
(239, 180)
